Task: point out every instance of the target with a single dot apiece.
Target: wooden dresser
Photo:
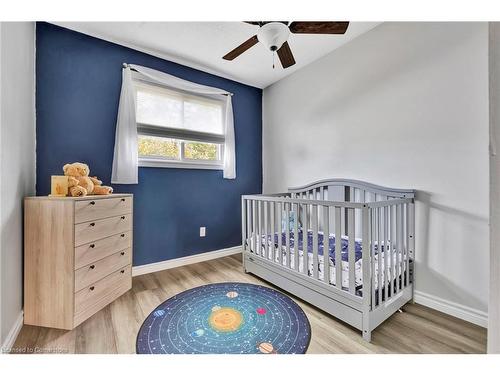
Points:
(77, 256)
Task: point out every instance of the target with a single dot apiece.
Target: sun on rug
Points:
(226, 318)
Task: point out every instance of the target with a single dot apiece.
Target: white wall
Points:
(494, 305)
(404, 105)
(17, 161)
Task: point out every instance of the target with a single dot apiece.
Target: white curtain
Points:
(125, 161)
(125, 158)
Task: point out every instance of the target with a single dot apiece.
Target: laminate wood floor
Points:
(113, 330)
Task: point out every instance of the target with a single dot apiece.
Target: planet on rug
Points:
(226, 318)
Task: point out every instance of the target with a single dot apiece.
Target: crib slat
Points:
(373, 239)
(305, 241)
(392, 235)
(254, 227)
(315, 240)
(343, 224)
(262, 229)
(310, 196)
(366, 281)
(380, 265)
(411, 249)
(296, 238)
(372, 254)
(351, 250)
(407, 240)
(287, 233)
(259, 228)
(394, 244)
(326, 245)
(387, 249)
(266, 233)
(280, 233)
(398, 246)
(387, 256)
(243, 225)
(403, 245)
(249, 224)
(272, 231)
(338, 247)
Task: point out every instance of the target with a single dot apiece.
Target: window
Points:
(176, 129)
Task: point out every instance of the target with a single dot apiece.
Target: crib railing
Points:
(392, 227)
(385, 230)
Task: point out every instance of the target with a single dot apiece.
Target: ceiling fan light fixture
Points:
(273, 34)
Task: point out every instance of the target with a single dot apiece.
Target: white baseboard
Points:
(172, 263)
(12, 336)
(451, 308)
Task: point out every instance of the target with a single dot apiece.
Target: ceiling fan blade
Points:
(304, 27)
(253, 22)
(241, 48)
(286, 56)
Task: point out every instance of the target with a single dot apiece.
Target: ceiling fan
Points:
(274, 34)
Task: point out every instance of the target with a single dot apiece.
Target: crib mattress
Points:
(267, 241)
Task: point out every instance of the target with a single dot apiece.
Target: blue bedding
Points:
(331, 250)
(321, 244)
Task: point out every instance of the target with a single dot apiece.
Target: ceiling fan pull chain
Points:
(273, 58)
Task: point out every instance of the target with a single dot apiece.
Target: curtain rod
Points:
(125, 65)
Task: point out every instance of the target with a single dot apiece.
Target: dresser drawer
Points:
(96, 296)
(87, 210)
(94, 251)
(95, 230)
(96, 271)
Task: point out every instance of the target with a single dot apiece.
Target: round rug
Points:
(226, 318)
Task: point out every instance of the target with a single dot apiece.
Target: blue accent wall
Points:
(78, 81)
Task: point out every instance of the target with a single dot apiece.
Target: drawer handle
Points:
(122, 235)
(92, 224)
(123, 218)
(91, 288)
(123, 199)
(92, 202)
(122, 271)
(122, 253)
(92, 245)
(92, 267)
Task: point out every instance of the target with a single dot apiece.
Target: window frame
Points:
(181, 135)
(182, 162)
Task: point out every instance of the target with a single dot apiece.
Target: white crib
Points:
(366, 282)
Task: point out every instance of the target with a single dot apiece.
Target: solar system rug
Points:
(226, 318)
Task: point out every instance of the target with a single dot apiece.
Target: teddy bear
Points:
(79, 182)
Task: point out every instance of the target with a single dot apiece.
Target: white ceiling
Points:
(201, 45)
